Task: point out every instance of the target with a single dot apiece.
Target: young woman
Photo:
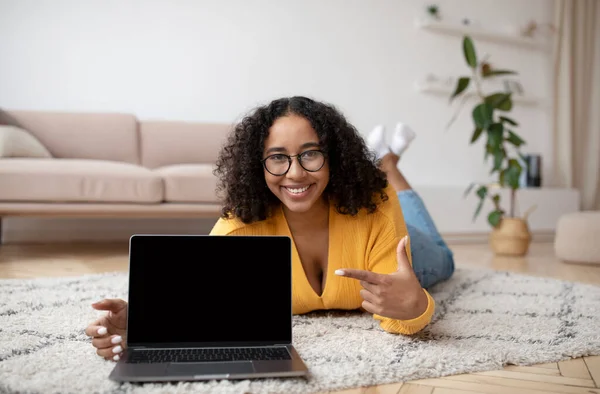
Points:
(296, 167)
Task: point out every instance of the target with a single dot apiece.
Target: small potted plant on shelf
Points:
(434, 11)
(510, 234)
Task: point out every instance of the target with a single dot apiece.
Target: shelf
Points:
(551, 204)
(481, 33)
(447, 91)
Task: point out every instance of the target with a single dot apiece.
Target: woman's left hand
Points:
(398, 295)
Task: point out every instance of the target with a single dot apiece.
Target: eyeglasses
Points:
(279, 164)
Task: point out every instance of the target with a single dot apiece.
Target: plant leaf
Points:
(469, 52)
(505, 105)
(482, 192)
(482, 115)
(476, 134)
(501, 101)
(494, 217)
(491, 73)
(494, 145)
(468, 189)
(514, 139)
(495, 132)
(461, 85)
(508, 120)
(513, 173)
(499, 157)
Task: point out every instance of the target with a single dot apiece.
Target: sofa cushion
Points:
(164, 143)
(100, 136)
(77, 180)
(189, 183)
(16, 142)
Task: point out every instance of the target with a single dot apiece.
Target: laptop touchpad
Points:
(222, 368)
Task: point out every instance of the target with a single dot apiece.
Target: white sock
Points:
(403, 136)
(376, 141)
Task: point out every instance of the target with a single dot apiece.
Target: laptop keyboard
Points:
(210, 354)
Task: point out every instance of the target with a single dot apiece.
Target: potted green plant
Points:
(510, 234)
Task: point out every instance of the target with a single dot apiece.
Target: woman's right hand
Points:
(109, 332)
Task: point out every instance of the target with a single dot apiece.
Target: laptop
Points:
(205, 307)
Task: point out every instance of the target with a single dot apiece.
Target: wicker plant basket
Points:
(511, 237)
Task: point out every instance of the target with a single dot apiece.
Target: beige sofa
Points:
(63, 164)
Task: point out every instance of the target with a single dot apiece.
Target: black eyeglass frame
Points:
(299, 155)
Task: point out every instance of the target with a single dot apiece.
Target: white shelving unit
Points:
(442, 90)
(457, 224)
(480, 33)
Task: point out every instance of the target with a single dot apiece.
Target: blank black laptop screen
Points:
(200, 289)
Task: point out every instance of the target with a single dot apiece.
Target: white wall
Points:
(214, 60)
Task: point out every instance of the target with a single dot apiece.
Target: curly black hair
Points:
(355, 180)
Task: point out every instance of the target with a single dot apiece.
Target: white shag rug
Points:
(484, 320)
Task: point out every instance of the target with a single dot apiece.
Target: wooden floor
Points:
(577, 376)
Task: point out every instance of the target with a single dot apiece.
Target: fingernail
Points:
(102, 331)
(116, 339)
(117, 349)
(116, 358)
(340, 272)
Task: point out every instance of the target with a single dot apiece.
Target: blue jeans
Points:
(433, 261)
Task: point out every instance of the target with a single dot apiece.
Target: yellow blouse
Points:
(365, 241)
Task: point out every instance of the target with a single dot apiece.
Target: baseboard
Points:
(482, 238)
(47, 230)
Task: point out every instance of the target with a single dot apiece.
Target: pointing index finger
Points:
(367, 276)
